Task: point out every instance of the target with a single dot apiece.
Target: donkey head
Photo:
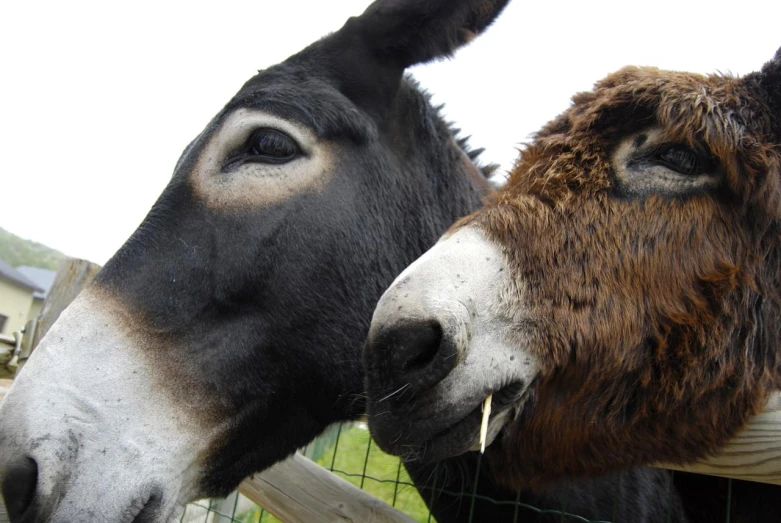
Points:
(226, 332)
(620, 298)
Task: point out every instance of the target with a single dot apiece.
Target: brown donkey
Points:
(620, 297)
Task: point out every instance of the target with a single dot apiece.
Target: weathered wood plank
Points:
(755, 454)
(72, 276)
(298, 490)
(5, 384)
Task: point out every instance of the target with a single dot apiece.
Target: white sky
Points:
(98, 99)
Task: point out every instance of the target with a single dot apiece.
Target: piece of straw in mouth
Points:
(484, 424)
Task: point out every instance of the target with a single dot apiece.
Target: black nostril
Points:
(416, 345)
(19, 487)
(416, 352)
(151, 510)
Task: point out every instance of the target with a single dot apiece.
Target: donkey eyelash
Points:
(672, 156)
(265, 145)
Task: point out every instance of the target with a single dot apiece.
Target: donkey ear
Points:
(367, 56)
(768, 83)
(410, 32)
(771, 79)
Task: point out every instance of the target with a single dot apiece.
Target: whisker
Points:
(394, 393)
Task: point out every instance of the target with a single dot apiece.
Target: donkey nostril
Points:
(151, 508)
(418, 345)
(19, 487)
(414, 354)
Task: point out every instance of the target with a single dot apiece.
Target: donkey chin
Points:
(440, 343)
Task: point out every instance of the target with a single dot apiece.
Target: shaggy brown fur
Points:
(655, 317)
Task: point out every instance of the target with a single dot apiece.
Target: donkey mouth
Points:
(464, 434)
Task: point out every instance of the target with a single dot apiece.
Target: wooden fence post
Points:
(72, 276)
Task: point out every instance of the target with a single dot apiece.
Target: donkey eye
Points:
(682, 159)
(646, 163)
(271, 146)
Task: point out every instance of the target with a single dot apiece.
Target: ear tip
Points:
(771, 71)
(419, 31)
(773, 67)
(770, 81)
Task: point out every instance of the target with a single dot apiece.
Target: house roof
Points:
(9, 273)
(43, 278)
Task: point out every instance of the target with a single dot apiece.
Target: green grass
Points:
(378, 475)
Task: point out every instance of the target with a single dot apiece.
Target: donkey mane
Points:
(435, 114)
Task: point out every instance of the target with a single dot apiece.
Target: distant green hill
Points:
(17, 251)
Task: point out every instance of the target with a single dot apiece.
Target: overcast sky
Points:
(98, 99)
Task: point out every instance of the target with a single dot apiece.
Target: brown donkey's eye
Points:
(681, 159)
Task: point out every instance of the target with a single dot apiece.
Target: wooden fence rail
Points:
(754, 454)
(299, 490)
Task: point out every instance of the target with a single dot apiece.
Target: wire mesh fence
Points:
(348, 451)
